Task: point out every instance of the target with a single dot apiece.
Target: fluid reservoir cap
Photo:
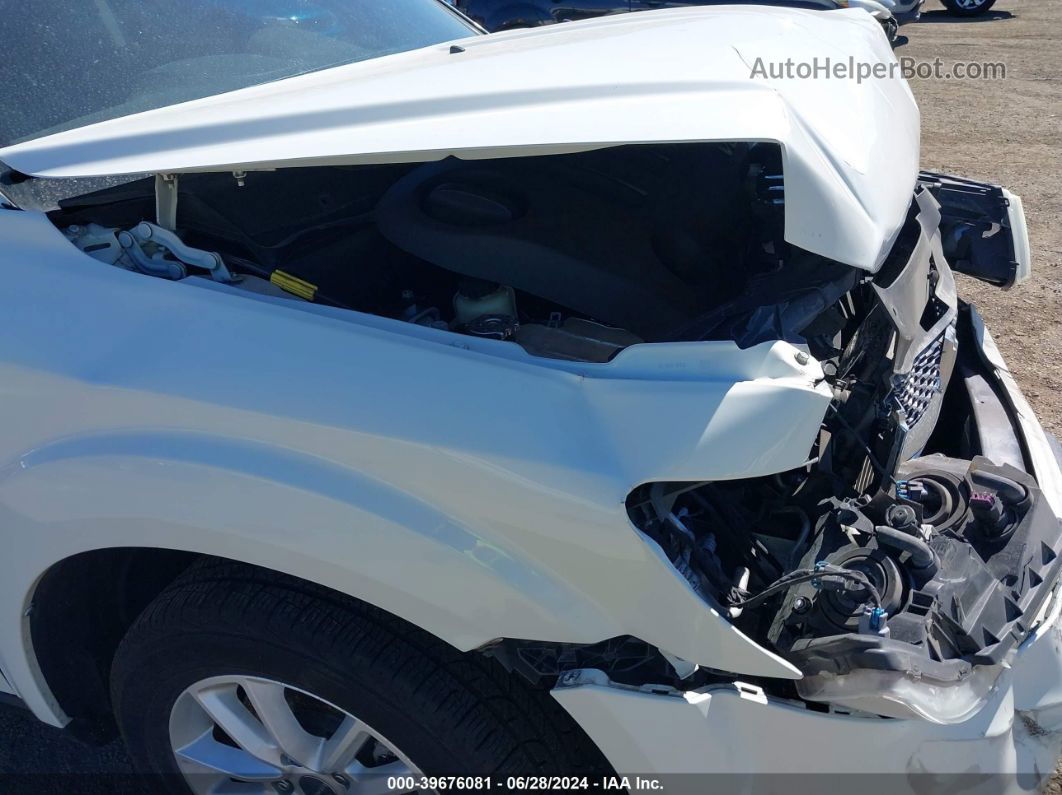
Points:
(499, 327)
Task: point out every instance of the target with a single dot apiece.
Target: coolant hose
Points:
(924, 560)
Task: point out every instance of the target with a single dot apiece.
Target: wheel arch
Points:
(80, 610)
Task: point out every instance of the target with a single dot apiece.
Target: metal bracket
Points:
(166, 201)
(149, 249)
(166, 240)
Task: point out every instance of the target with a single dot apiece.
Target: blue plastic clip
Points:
(816, 582)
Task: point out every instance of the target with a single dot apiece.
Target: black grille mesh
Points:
(914, 392)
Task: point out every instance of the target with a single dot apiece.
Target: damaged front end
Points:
(904, 564)
(893, 572)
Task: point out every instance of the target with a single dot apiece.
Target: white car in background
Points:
(383, 400)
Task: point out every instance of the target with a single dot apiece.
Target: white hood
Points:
(850, 149)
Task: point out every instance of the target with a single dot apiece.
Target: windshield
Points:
(67, 65)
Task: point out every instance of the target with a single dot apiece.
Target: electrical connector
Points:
(874, 621)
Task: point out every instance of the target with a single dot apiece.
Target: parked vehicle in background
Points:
(905, 11)
(968, 8)
(495, 15)
(558, 401)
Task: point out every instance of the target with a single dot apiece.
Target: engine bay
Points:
(571, 257)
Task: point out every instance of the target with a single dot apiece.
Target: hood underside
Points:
(850, 148)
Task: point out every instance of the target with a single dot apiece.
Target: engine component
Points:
(575, 340)
(962, 598)
(572, 233)
(921, 560)
(991, 513)
(824, 576)
(902, 604)
(874, 621)
(902, 517)
(477, 297)
(840, 610)
(498, 327)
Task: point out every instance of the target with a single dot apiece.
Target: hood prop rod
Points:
(166, 201)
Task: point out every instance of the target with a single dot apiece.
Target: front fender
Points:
(275, 508)
(461, 484)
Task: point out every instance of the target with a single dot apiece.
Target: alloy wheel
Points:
(246, 734)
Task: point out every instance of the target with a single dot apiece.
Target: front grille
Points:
(913, 393)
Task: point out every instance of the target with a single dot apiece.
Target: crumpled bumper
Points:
(733, 738)
(751, 742)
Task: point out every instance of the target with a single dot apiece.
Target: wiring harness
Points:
(824, 575)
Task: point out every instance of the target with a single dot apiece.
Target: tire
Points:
(968, 8)
(444, 711)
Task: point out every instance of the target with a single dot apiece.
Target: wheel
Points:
(968, 8)
(240, 680)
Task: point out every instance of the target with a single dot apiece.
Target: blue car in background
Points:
(495, 15)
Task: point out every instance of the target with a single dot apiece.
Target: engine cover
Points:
(617, 237)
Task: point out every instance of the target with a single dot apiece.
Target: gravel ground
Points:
(1006, 131)
(1009, 132)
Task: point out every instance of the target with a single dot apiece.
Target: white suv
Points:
(569, 401)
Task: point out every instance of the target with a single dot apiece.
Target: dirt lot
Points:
(1007, 131)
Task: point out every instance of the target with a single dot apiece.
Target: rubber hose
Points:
(923, 559)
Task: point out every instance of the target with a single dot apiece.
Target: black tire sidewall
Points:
(149, 684)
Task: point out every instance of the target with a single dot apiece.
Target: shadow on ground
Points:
(35, 758)
(940, 15)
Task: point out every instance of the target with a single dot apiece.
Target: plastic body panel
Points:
(460, 483)
(724, 730)
(984, 228)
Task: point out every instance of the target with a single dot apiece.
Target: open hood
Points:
(850, 148)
